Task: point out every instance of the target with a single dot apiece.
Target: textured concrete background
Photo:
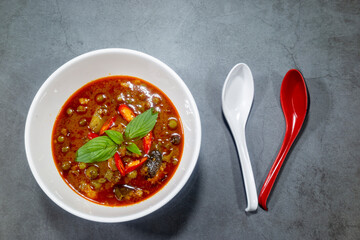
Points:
(317, 195)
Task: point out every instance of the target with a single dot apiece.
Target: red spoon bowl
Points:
(294, 102)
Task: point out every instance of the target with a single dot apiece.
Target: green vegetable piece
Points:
(81, 109)
(121, 192)
(96, 184)
(65, 149)
(82, 165)
(102, 180)
(61, 139)
(108, 175)
(116, 136)
(175, 161)
(66, 166)
(172, 123)
(83, 122)
(141, 125)
(96, 150)
(96, 121)
(132, 174)
(69, 111)
(133, 148)
(92, 172)
(100, 97)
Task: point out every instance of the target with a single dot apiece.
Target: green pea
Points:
(172, 123)
(61, 139)
(102, 180)
(100, 97)
(66, 166)
(83, 122)
(96, 184)
(82, 165)
(81, 109)
(92, 172)
(65, 149)
(69, 111)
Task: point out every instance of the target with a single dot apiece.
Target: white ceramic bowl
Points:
(62, 84)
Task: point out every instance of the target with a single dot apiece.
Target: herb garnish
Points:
(141, 125)
(96, 150)
(104, 147)
(116, 136)
(133, 148)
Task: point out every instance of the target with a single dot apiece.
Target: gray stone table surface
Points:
(317, 195)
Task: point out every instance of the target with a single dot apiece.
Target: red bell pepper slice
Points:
(126, 112)
(134, 165)
(108, 124)
(119, 164)
(92, 135)
(147, 142)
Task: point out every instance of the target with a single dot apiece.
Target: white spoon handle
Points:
(248, 176)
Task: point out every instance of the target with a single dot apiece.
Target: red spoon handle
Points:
(274, 171)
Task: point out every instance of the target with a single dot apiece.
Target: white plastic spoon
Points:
(237, 98)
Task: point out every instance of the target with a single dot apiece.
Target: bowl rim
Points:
(165, 200)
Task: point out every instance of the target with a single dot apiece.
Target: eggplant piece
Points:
(123, 192)
(153, 163)
(175, 139)
(97, 121)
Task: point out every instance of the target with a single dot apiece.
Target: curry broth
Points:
(71, 131)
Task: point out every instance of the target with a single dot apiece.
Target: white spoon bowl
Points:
(237, 99)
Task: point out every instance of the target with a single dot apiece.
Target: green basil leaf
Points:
(116, 136)
(141, 125)
(133, 148)
(96, 150)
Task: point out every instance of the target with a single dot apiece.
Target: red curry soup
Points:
(117, 140)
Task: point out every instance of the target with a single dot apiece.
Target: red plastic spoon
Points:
(294, 102)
